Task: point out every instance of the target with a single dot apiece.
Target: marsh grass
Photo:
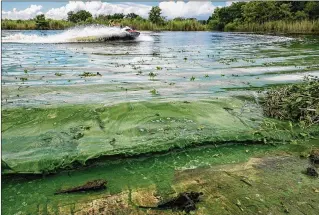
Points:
(296, 102)
(172, 25)
(305, 26)
(141, 24)
(31, 24)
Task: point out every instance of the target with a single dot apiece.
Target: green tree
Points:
(131, 16)
(312, 8)
(79, 16)
(155, 15)
(71, 16)
(284, 12)
(117, 16)
(300, 15)
(258, 11)
(41, 23)
(222, 16)
(297, 5)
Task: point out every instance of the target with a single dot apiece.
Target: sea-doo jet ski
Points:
(131, 34)
(125, 33)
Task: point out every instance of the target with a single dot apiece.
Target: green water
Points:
(123, 174)
(109, 125)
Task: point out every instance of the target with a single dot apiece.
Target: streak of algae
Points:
(37, 140)
(44, 140)
(276, 182)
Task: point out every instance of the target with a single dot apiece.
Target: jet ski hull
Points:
(104, 39)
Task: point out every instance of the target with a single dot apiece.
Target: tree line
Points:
(263, 13)
(291, 17)
(155, 21)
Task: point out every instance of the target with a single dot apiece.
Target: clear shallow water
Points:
(44, 67)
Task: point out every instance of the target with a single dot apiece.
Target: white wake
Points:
(77, 34)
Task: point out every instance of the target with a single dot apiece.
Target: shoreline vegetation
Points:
(269, 17)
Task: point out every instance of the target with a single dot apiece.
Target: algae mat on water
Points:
(144, 181)
(44, 140)
(38, 140)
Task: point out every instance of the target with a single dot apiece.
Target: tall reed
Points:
(304, 26)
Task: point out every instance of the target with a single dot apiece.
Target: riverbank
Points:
(143, 25)
(278, 27)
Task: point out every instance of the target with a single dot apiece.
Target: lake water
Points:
(50, 76)
(45, 67)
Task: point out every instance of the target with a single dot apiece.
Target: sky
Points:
(59, 10)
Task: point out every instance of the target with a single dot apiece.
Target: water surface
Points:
(45, 67)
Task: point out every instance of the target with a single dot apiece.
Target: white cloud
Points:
(27, 13)
(96, 8)
(228, 3)
(187, 10)
(169, 9)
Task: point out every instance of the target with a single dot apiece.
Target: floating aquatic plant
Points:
(88, 74)
(192, 78)
(23, 79)
(154, 92)
(152, 75)
(58, 74)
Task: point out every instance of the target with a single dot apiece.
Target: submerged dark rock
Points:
(311, 171)
(183, 202)
(95, 185)
(314, 156)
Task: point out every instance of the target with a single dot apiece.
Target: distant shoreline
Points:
(274, 27)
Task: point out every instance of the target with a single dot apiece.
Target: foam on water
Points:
(73, 35)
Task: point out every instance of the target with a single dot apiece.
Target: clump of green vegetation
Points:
(58, 74)
(25, 71)
(297, 102)
(206, 76)
(152, 75)
(88, 74)
(154, 92)
(159, 68)
(267, 16)
(192, 78)
(23, 79)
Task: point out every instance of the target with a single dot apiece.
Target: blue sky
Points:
(58, 10)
